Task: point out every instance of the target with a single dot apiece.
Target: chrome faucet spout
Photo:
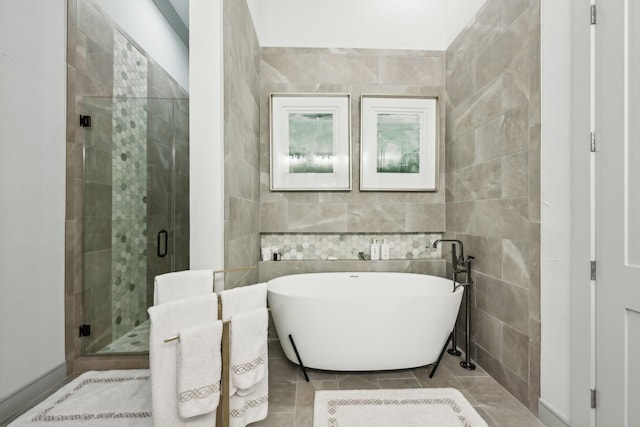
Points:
(435, 245)
(456, 261)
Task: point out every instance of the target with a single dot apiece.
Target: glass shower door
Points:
(134, 189)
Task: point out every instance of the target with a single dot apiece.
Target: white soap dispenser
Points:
(375, 250)
(384, 250)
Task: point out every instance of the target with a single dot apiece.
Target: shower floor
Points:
(134, 341)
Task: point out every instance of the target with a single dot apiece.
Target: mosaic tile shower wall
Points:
(347, 246)
(129, 166)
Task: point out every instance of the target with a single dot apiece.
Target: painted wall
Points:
(493, 185)
(206, 129)
(32, 172)
(142, 20)
(460, 13)
(556, 160)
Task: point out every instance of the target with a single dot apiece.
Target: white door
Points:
(618, 213)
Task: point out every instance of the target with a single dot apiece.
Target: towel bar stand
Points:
(177, 337)
(230, 270)
(223, 414)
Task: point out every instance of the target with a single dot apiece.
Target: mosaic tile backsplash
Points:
(347, 246)
(129, 168)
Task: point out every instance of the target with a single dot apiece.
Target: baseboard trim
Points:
(25, 397)
(549, 416)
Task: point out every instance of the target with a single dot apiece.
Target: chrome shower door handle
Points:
(161, 234)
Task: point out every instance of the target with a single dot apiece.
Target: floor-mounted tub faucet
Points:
(458, 263)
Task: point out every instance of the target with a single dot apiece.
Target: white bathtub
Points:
(363, 321)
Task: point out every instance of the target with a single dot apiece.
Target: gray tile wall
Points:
(354, 71)
(181, 165)
(241, 147)
(493, 192)
(90, 72)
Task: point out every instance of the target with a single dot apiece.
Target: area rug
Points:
(96, 398)
(423, 407)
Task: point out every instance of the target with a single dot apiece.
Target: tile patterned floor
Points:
(134, 341)
(291, 398)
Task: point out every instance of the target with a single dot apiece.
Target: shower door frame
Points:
(168, 210)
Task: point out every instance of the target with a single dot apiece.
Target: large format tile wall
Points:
(354, 71)
(90, 73)
(241, 147)
(493, 185)
(357, 72)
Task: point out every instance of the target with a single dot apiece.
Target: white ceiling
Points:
(399, 24)
(391, 24)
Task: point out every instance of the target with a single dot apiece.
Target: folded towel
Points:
(243, 299)
(252, 407)
(199, 369)
(181, 284)
(248, 342)
(250, 404)
(167, 320)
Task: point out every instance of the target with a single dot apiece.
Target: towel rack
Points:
(177, 337)
(223, 413)
(230, 270)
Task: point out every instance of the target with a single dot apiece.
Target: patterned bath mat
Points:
(420, 407)
(96, 398)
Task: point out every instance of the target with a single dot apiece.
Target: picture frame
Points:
(310, 142)
(399, 143)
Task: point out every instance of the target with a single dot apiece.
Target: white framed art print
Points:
(399, 143)
(310, 142)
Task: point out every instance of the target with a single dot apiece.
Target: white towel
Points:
(199, 369)
(166, 321)
(253, 405)
(248, 341)
(243, 299)
(181, 284)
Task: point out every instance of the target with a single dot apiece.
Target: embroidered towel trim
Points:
(199, 369)
(248, 349)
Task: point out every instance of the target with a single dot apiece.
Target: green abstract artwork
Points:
(398, 143)
(311, 148)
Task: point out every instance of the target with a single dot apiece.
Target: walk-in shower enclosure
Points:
(136, 213)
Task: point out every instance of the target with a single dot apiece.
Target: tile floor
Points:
(134, 341)
(291, 398)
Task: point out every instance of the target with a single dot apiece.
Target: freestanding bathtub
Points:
(363, 321)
